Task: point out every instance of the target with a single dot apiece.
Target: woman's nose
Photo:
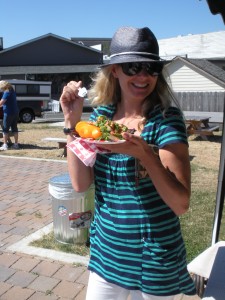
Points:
(143, 72)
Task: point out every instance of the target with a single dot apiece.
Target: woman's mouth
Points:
(140, 85)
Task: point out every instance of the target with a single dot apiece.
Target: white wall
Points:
(185, 79)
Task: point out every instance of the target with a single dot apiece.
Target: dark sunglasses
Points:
(133, 68)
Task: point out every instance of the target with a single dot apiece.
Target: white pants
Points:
(100, 289)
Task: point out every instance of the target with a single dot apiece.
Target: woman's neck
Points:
(128, 111)
(130, 117)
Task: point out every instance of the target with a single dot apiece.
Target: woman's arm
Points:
(72, 107)
(2, 101)
(170, 174)
(81, 176)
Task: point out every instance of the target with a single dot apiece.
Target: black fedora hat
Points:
(133, 45)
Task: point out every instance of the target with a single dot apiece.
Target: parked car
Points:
(28, 110)
(32, 98)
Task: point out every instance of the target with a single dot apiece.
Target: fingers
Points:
(70, 91)
(133, 138)
(67, 95)
(74, 85)
(71, 103)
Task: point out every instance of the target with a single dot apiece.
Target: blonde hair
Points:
(105, 89)
(5, 85)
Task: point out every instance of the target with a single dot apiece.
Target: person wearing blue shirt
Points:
(10, 114)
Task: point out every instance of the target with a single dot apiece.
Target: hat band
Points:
(134, 52)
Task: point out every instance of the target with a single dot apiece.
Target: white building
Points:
(208, 45)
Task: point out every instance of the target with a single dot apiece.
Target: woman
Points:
(10, 114)
(136, 242)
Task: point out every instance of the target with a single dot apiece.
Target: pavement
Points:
(25, 209)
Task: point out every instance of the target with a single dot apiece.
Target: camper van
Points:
(32, 98)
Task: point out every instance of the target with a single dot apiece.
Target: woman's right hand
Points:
(71, 103)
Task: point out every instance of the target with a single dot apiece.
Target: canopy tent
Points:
(218, 7)
(220, 191)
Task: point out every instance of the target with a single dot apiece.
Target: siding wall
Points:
(183, 78)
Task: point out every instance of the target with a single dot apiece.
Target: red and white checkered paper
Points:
(85, 151)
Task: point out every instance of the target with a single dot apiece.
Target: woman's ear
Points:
(114, 71)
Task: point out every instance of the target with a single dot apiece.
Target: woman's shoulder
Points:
(166, 126)
(173, 111)
(159, 113)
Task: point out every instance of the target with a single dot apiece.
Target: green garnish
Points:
(110, 130)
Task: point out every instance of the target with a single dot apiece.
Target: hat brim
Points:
(120, 59)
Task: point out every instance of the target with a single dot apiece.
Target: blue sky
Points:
(23, 20)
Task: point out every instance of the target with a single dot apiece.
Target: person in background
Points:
(137, 247)
(10, 114)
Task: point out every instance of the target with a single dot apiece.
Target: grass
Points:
(196, 225)
(31, 141)
(48, 241)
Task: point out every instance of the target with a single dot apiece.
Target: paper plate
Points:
(97, 142)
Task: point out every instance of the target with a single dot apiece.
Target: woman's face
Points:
(136, 87)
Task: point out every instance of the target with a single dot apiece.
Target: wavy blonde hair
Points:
(105, 89)
(5, 85)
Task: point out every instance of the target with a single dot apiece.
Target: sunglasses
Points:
(133, 68)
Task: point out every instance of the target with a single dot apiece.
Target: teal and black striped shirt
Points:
(136, 239)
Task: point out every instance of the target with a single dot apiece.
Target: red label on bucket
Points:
(80, 220)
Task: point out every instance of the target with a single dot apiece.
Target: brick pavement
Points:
(25, 207)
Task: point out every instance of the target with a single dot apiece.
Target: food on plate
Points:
(88, 130)
(102, 129)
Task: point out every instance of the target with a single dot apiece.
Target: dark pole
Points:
(218, 7)
(220, 191)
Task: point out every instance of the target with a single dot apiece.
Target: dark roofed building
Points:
(195, 75)
(50, 50)
(50, 58)
(209, 67)
(102, 43)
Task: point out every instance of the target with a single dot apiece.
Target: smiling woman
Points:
(139, 194)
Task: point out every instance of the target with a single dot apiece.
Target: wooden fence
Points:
(201, 101)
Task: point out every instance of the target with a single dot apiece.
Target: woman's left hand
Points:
(134, 146)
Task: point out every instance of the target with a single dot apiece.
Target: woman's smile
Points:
(140, 85)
